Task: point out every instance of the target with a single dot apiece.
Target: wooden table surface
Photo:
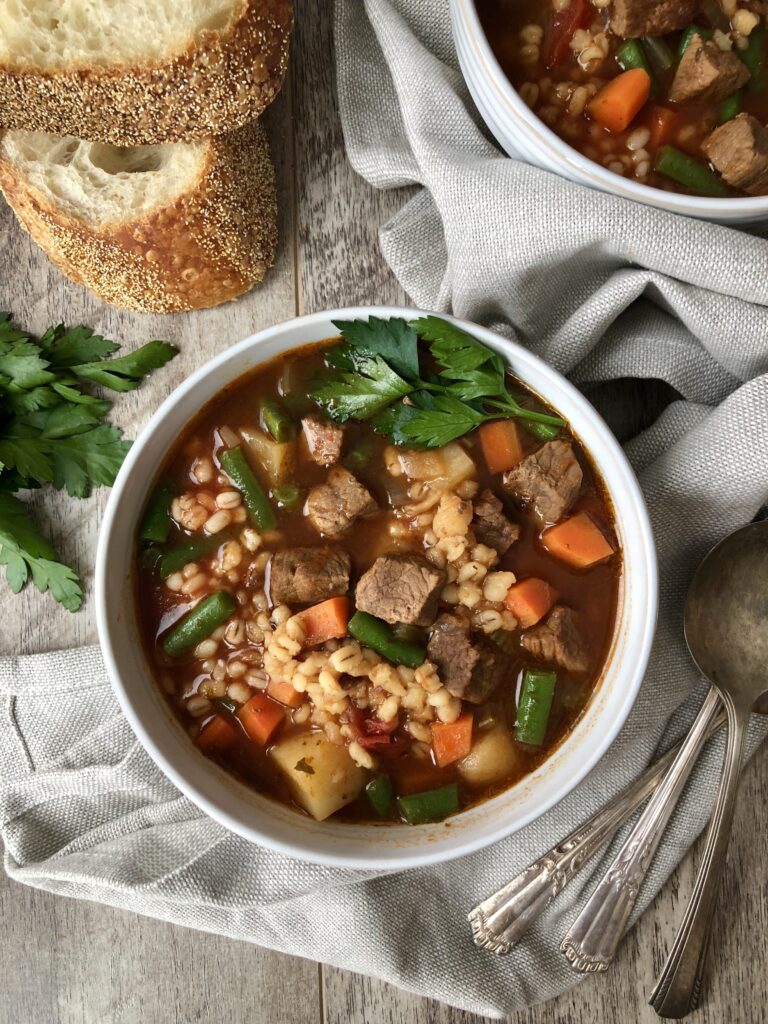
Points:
(67, 962)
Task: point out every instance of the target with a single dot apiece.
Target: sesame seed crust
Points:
(217, 84)
(211, 244)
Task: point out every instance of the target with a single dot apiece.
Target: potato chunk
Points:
(494, 757)
(276, 460)
(322, 775)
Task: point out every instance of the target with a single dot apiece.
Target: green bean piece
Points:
(631, 55)
(378, 635)
(410, 634)
(543, 431)
(199, 623)
(380, 796)
(360, 454)
(156, 524)
(534, 707)
(229, 705)
(177, 557)
(689, 33)
(235, 465)
(729, 108)
(432, 805)
(754, 57)
(277, 422)
(686, 170)
(287, 496)
(659, 54)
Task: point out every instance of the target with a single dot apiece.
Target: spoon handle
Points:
(501, 920)
(679, 986)
(594, 936)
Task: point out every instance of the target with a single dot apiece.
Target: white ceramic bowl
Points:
(367, 846)
(524, 136)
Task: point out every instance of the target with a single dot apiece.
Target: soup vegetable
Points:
(674, 95)
(378, 577)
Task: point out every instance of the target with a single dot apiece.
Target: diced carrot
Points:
(325, 621)
(529, 600)
(576, 15)
(217, 734)
(577, 541)
(502, 448)
(285, 693)
(260, 718)
(413, 776)
(621, 100)
(452, 740)
(663, 123)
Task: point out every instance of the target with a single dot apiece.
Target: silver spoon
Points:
(726, 627)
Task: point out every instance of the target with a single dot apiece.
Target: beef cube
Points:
(738, 149)
(332, 507)
(307, 575)
(707, 74)
(491, 526)
(401, 588)
(549, 480)
(633, 18)
(324, 440)
(559, 641)
(470, 667)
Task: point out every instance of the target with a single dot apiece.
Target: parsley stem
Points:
(511, 408)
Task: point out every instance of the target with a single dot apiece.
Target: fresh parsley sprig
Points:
(52, 431)
(375, 374)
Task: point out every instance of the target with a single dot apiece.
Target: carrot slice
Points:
(217, 734)
(577, 541)
(452, 740)
(285, 693)
(663, 123)
(502, 448)
(325, 621)
(260, 718)
(530, 600)
(619, 102)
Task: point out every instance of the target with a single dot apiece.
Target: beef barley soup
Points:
(377, 577)
(671, 94)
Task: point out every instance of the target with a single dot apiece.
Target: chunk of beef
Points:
(324, 440)
(491, 526)
(706, 74)
(401, 588)
(559, 641)
(307, 575)
(470, 667)
(738, 149)
(633, 18)
(332, 507)
(549, 480)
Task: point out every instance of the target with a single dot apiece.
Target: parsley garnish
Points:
(304, 766)
(375, 374)
(52, 431)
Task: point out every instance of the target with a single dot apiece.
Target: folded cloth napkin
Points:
(600, 288)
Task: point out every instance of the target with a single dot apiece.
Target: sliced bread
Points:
(156, 228)
(136, 72)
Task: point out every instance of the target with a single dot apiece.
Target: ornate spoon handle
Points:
(500, 921)
(679, 986)
(594, 936)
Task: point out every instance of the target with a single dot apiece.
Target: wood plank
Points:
(70, 962)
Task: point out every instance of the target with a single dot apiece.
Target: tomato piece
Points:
(564, 24)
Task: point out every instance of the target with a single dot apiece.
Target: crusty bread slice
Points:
(134, 72)
(156, 228)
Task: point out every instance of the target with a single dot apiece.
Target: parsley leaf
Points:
(25, 552)
(394, 340)
(436, 423)
(73, 347)
(126, 372)
(52, 431)
(361, 394)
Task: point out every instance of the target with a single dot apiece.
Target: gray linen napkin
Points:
(601, 289)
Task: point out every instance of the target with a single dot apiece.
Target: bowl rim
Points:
(631, 676)
(562, 153)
